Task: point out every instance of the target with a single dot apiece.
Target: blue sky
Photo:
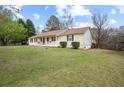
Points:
(39, 14)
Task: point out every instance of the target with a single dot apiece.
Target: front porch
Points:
(44, 41)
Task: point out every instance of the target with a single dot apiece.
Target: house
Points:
(53, 38)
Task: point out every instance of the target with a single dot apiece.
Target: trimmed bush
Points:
(63, 44)
(75, 45)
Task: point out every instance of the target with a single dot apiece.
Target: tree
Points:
(10, 30)
(17, 9)
(100, 22)
(18, 30)
(121, 28)
(116, 39)
(30, 28)
(21, 21)
(5, 18)
(53, 23)
(68, 21)
(113, 39)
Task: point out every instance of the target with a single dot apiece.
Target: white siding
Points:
(84, 39)
(61, 38)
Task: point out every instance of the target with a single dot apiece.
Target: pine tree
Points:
(30, 28)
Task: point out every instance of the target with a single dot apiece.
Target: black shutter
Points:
(67, 37)
(72, 37)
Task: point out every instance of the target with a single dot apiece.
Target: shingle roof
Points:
(63, 32)
(75, 31)
(52, 33)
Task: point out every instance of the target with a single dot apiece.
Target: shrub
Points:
(75, 45)
(63, 44)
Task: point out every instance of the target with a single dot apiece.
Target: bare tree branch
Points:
(100, 22)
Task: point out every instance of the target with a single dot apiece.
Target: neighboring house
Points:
(53, 38)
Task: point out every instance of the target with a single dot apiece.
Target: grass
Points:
(39, 66)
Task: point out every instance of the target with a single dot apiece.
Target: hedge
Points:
(63, 44)
(75, 45)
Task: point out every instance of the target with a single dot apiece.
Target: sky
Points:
(39, 14)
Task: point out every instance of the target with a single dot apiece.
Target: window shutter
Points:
(67, 37)
(72, 37)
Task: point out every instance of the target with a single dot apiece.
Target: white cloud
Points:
(74, 10)
(46, 7)
(60, 9)
(118, 9)
(36, 16)
(121, 9)
(82, 24)
(113, 11)
(79, 10)
(41, 26)
(113, 21)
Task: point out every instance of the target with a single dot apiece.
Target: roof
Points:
(63, 32)
(76, 31)
(50, 33)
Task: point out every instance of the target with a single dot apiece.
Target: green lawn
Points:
(39, 66)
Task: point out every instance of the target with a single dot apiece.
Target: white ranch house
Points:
(53, 38)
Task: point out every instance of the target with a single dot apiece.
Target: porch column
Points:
(50, 39)
(45, 40)
(56, 41)
(33, 40)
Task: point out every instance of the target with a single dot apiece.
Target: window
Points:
(70, 37)
(53, 38)
(35, 39)
(31, 40)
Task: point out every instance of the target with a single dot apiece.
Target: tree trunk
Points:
(3, 42)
